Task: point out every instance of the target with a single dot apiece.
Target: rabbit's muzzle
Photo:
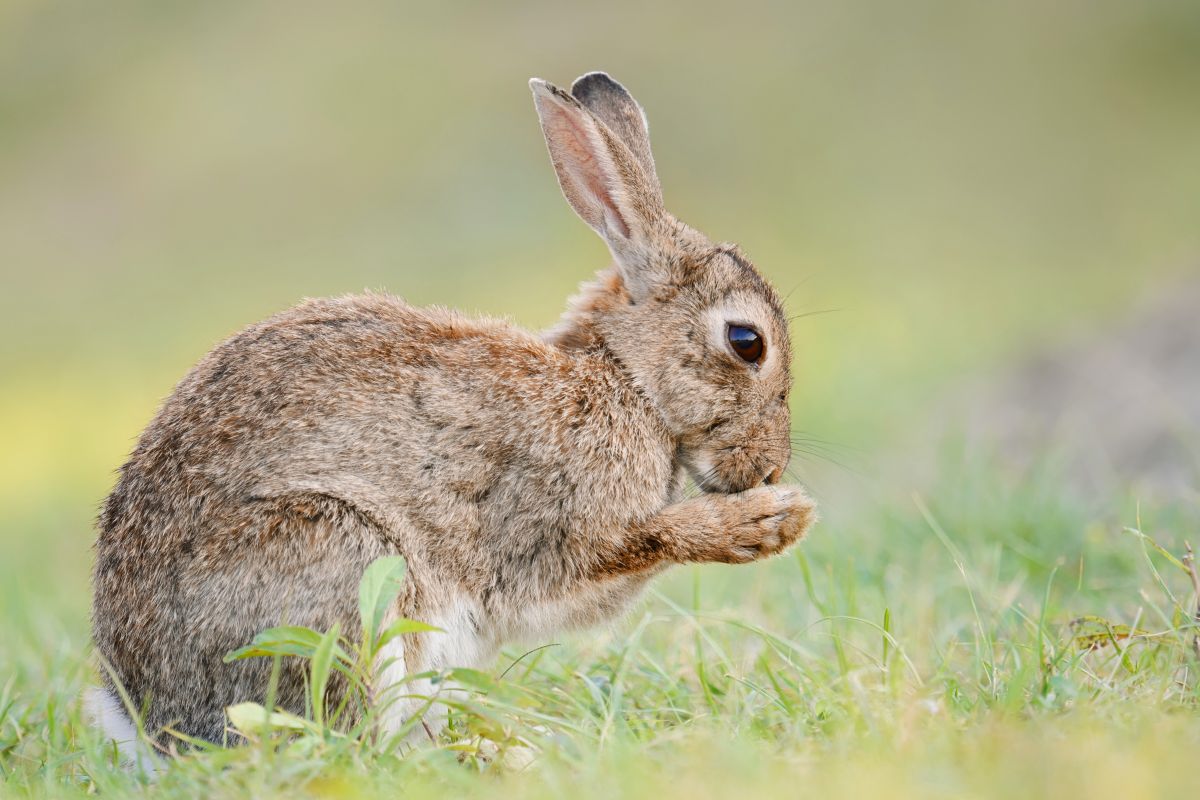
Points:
(736, 468)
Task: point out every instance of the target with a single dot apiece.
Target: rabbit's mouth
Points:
(731, 470)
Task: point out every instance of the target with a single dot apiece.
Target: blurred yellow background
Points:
(956, 183)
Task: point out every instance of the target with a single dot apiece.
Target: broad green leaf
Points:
(403, 626)
(477, 680)
(253, 718)
(284, 640)
(377, 591)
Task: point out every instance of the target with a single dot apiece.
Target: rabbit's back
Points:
(383, 405)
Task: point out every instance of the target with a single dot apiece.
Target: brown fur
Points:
(532, 480)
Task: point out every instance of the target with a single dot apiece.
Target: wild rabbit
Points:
(532, 482)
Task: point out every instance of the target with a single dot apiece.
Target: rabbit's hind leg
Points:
(462, 640)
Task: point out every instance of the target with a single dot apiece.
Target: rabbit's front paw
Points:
(761, 522)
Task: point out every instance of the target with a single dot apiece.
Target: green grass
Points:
(961, 185)
(982, 657)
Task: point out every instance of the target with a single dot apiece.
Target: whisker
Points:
(800, 438)
(820, 452)
(814, 438)
(839, 464)
(792, 291)
(695, 485)
(817, 313)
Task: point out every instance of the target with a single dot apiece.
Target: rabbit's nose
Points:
(773, 476)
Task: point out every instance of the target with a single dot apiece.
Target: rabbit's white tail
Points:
(105, 711)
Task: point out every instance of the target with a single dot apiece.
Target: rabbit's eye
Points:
(746, 342)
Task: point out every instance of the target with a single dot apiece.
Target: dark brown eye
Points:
(746, 342)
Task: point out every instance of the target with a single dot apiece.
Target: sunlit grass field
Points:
(941, 191)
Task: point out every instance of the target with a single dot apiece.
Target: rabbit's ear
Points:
(617, 109)
(600, 177)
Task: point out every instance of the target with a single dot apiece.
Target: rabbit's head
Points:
(700, 331)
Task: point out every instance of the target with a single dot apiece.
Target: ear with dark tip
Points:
(601, 179)
(615, 107)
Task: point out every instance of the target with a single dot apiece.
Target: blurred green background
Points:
(957, 184)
